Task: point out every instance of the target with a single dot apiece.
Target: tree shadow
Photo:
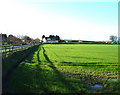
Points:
(59, 74)
(85, 57)
(15, 61)
(36, 78)
(38, 56)
(30, 57)
(28, 78)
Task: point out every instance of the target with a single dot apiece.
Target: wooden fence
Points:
(7, 51)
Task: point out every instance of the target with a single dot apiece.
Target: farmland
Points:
(67, 68)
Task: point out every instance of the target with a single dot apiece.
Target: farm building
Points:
(51, 39)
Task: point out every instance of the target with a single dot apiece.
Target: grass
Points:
(67, 69)
(98, 54)
(5, 45)
(10, 61)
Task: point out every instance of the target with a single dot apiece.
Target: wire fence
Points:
(7, 51)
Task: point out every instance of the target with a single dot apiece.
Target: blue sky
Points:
(95, 11)
(70, 20)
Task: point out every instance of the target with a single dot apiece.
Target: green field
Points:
(67, 68)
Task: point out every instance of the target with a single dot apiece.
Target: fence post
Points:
(5, 51)
(12, 50)
(15, 49)
(22, 47)
(9, 50)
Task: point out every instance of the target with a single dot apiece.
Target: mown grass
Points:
(67, 69)
(92, 54)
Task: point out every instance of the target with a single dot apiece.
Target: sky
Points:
(70, 19)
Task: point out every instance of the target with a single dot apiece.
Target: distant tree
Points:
(14, 40)
(27, 39)
(57, 37)
(113, 38)
(43, 36)
(52, 37)
(11, 39)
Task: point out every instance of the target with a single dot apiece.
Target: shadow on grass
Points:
(38, 56)
(63, 63)
(37, 79)
(9, 64)
(28, 78)
(30, 58)
(86, 57)
(61, 77)
(5, 86)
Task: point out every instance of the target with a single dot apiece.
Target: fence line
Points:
(6, 51)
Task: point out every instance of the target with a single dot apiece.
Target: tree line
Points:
(19, 40)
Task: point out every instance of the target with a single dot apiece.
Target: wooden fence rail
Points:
(7, 51)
